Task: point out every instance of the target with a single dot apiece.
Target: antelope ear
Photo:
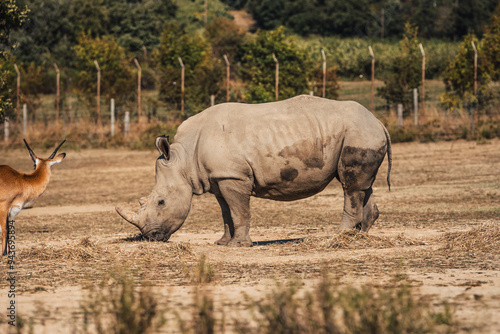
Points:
(163, 146)
(57, 159)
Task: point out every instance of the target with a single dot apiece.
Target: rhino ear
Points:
(163, 146)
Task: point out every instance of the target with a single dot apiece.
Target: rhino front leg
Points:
(237, 196)
(228, 221)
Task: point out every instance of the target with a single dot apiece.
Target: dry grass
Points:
(83, 250)
(482, 239)
(354, 239)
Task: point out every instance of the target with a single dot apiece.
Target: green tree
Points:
(258, 66)
(117, 78)
(225, 37)
(459, 77)
(203, 74)
(11, 17)
(468, 16)
(139, 23)
(491, 46)
(405, 73)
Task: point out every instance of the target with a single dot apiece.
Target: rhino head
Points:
(166, 208)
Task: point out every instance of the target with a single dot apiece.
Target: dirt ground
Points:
(72, 237)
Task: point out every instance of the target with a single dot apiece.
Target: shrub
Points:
(333, 308)
(116, 307)
(405, 73)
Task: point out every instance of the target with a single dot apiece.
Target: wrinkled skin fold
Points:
(282, 151)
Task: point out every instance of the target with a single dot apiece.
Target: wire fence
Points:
(110, 117)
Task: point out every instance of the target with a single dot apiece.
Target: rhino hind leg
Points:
(228, 222)
(357, 171)
(352, 217)
(370, 211)
(236, 194)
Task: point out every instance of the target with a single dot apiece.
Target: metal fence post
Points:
(400, 115)
(127, 123)
(415, 104)
(25, 119)
(6, 130)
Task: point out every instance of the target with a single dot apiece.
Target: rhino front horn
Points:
(129, 216)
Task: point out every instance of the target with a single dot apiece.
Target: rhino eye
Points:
(161, 202)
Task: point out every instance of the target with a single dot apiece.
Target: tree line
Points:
(74, 34)
(450, 19)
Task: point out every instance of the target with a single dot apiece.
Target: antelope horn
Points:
(57, 148)
(30, 151)
(129, 216)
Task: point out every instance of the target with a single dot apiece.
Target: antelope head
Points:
(53, 159)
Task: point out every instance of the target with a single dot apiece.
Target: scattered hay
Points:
(482, 239)
(353, 239)
(83, 250)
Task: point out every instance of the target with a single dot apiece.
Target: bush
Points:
(405, 73)
(116, 307)
(333, 308)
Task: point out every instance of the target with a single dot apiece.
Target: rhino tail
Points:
(389, 157)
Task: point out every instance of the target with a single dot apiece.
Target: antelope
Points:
(18, 190)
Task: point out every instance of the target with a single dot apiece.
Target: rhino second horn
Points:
(129, 216)
(143, 201)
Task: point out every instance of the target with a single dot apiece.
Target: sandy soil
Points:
(437, 188)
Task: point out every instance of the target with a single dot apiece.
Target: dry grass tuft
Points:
(354, 239)
(83, 250)
(482, 239)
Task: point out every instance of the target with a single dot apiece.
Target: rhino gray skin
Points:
(283, 151)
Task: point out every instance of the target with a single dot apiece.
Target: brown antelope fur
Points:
(18, 190)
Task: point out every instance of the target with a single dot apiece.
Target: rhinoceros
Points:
(284, 151)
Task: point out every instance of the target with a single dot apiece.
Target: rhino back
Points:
(288, 149)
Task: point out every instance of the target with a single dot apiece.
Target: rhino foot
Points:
(240, 243)
(222, 241)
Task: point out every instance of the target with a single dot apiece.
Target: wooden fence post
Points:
(112, 109)
(475, 89)
(372, 91)
(324, 72)
(139, 74)
(276, 89)
(228, 72)
(423, 76)
(18, 90)
(98, 110)
(182, 86)
(58, 76)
